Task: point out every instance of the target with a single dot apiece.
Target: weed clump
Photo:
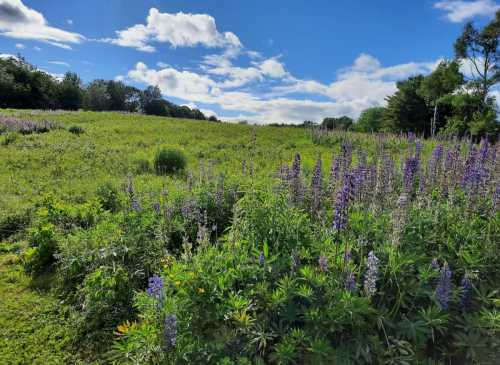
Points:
(169, 161)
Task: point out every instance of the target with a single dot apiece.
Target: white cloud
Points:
(179, 30)
(69, 21)
(37, 48)
(20, 46)
(20, 22)
(59, 63)
(162, 64)
(365, 81)
(273, 68)
(364, 84)
(6, 56)
(459, 10)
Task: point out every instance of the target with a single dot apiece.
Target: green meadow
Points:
(242, 244)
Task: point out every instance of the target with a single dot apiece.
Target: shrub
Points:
(40, 256)
(108, 197)
(106, 298)
(142, 166)
(8, 138)
(168, 161)
(75, 129)
(13, 223)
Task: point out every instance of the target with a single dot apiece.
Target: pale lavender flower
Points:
(371, 275)
(295, 260)
(323, 263)
(170, 331)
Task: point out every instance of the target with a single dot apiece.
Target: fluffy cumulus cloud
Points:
(178, 30)
(459, 10)
(272, 94)
(20, 22)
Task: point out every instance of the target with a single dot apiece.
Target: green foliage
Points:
(406, 110)
(12, 224)
(40, 256)
(370, 120)
(108, 197)
(343, 123)
(75, 129)
(169, 161)
(8, 138)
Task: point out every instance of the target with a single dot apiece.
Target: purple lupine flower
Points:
(155, 287)
(341, 207)
(219, 195)
(316, 186)
(409, 174)
(295, 180)
(350, 282)
(170, 331)
(433, 165)
(334, 174)
(418, 149)
(466, 294)
(371, 275)
(346, 157)
(262, 258)
(189, 181)
(323, 263)
(443, 288)
(496, 198)
(470, 174)
(157, 207)
(347, 256)
(435, 264)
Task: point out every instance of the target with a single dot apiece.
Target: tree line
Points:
(445, 102)
(24, 86)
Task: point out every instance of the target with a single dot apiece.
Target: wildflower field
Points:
(130, 239)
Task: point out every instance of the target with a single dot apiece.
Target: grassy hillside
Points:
(114, 145)
(273, 246)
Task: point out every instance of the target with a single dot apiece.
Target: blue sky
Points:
(265, 61)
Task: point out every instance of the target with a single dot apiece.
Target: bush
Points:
(40, 256)
(141, 166)
(168, 161)
(8, 138)
(14, 223)
(108, 197)
(76, 130)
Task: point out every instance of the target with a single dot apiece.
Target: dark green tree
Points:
(343, 122)
(442, 81)
(70, 92)
(481, 49)
(407, 110)
(96, 96)
(370, 120)
(117, 95)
